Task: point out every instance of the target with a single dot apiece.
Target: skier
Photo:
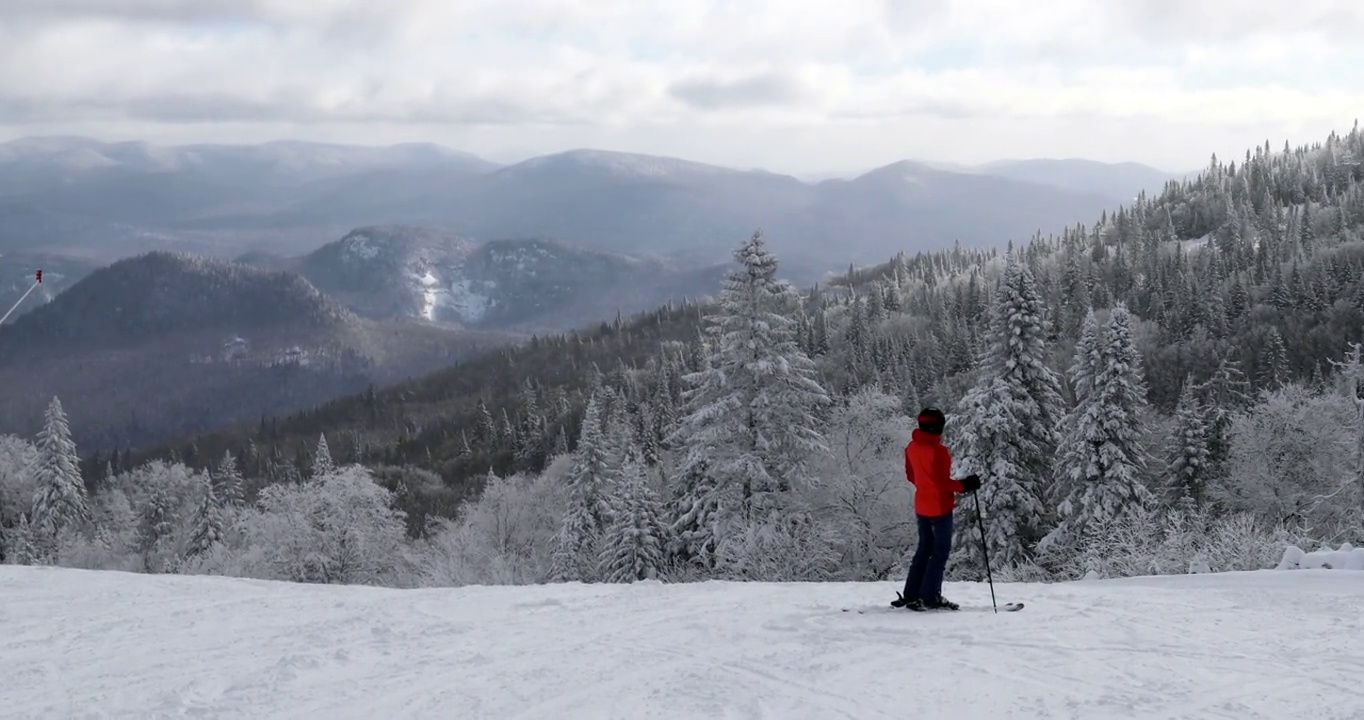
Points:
(928, 467)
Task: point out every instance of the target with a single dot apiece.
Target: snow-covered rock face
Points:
(460, 300)
(471, 305)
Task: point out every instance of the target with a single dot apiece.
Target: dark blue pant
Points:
(930, 559)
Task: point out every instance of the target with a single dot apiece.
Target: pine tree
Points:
(529, 451)
(1187, 467)
(23, 550)
(1088, 357)
(229, 480)
(322, 459)
(1008, 423)
(632, 546)
(665, 408)
(647, 438)
(575, 546)
(752, 413)
(1224, 394)
(485, 431)
(506, 433)
(618, 437)
(156, 525)
(59, 498)
(1102, 460)
(206, 529)
(1275, 371)
(697, 514)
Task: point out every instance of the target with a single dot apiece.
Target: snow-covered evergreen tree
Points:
(1187, 467)
(206, 527)
(530, 446)
(665, 407)
(1088, 357)
(1274, 372)
(587, 513)
(619, 442)
(323, 465)
(646, 437)
(22, 550)
(752, 413)
(59, 497)
(1225, 394)
(632, 546)
(1102, 460)
(485, 430)
(156, 529)
(1007, 427)
(229, 489)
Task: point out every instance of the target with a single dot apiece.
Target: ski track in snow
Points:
(1273, 644)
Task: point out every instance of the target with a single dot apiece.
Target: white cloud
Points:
(794, 85)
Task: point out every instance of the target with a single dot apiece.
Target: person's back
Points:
(928, 467)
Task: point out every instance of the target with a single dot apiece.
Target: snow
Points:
(459, 296)
(471, 304)
(1195, 244)
(1347, 557)
(1235, 645)
(359, 248)
(431, 294)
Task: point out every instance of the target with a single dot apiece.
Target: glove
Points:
(971, 483)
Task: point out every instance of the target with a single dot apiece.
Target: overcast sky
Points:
(790, 85)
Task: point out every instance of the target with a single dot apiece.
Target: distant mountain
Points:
(289, 198)
(124, 198)
(160, 344)
(633, 204)
(1121, 182)
(908, 205)
(523, 285)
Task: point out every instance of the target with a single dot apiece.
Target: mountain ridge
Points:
(294, 196)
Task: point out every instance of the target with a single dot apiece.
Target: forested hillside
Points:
(1177, 383)
(163, 345)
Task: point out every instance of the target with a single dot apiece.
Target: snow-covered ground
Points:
(1273, 644)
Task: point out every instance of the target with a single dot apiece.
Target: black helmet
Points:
(932, 420)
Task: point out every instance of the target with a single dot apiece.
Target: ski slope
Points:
(1272, 644)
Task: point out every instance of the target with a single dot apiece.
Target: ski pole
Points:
(985, 550)
(23, 297)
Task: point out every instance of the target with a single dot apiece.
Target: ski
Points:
(1007, 607)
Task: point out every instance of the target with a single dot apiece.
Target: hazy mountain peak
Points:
(903, 170)
(620, 163)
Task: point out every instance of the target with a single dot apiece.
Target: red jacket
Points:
(928, 467)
